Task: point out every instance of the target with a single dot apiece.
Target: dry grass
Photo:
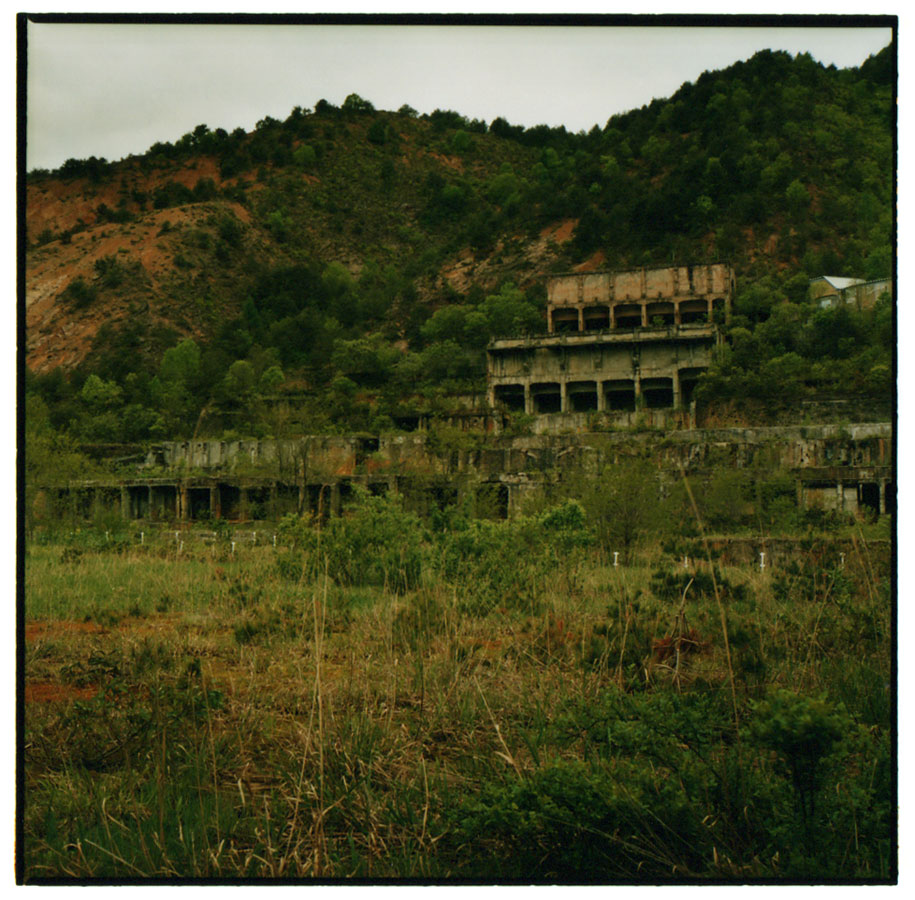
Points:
(248, 724)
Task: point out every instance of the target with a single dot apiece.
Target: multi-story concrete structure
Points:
(617, 341)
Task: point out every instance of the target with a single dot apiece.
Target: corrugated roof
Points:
(838, 282)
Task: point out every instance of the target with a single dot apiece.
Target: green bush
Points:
(377, 542)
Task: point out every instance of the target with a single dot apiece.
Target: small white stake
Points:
(842, 560)
(685, 562)
(616, 558)
(106, 535)
(141, 537)
(274, 540)
(233, 546)
(176, 537)
(762, 560)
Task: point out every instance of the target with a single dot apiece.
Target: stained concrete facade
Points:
(618, 342)
(833, 290)
(847, 468)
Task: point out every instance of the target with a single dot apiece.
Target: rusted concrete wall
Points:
(636, 285)
(833, 467)
(824, 448)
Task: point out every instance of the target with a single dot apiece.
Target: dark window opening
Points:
(628, 315)
(658, 393)
(406, 423)
(317, 497)
(693, 311)
(687, 391)
(443, 496)
(620, 396)
(660, 314)
(198, 501)
(164, 498)
(138, 502)
(565, 321)
(229, 501)
(869, 496)
(287, 499)
(583, 397)
(511, 396)
(596, 318)
(546, 398)
(259, 506)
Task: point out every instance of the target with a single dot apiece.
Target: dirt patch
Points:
(35, 630)
(560, 232)
(54, 692)
(451, 162)
(593, 262)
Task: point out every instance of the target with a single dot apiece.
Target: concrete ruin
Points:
(611, 381)
(833, 467)
(617, 342)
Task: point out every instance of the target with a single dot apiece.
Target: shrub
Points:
(377, 543)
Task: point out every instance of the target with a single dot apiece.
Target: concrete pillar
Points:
(612, 315)
(335, 504)
(491, 396)
(150, 512)
(528, 400)
(644, 311)
(677, 320)
(243, 502)
(840, 496)
(181, 502)
(549, 319)
(676, 384)
(711, 311)
(563, 397)
(581, 318)
(125, 503)
(882, 499)
(215, 502)
(601, 397)
(637, 381)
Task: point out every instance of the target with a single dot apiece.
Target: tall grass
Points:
(500, 702)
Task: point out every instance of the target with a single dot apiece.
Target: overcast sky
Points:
(112, 90)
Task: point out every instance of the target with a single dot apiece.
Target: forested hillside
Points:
(347, 266)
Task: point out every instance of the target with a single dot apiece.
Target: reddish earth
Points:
(595, 261)
(53, 692)
(560, 232)
(59, 204)
(34, 630)
(452, 162)
(58, 335)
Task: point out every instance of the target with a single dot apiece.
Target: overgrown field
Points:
(381, 697)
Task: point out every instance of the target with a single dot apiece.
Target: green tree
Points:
(797, 199)
(181, 364)
(355, 104)
(98, 394)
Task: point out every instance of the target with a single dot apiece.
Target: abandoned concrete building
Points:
(617, 342)
(832, 467)
(627, 347)
(833, 290)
